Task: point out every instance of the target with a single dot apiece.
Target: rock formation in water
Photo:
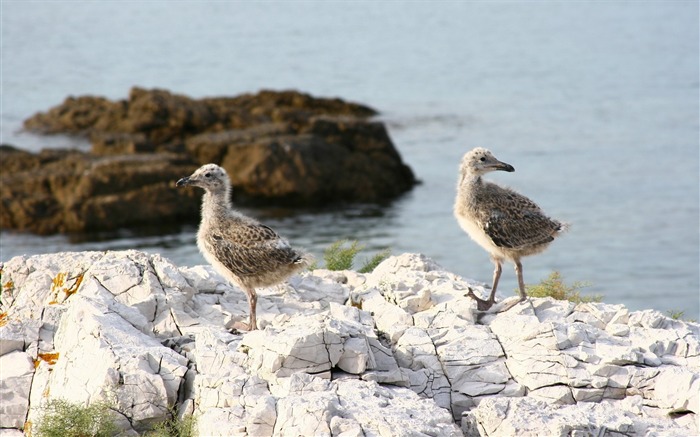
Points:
(72, 191)
(399, 351)
(286, 146)
(281, 148)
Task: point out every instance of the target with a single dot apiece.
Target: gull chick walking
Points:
(505, 223)
(246, 252)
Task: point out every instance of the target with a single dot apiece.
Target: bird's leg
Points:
(496, 278)
(521, 283)
(253, 302)
(252, 320)
(484, 305)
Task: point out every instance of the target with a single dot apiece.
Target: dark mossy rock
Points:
(71, 191)
(278, 147)
(162, 118)
(329, 160)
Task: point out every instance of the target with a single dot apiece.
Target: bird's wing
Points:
(251, 248)
(519, 223)
(250, 235)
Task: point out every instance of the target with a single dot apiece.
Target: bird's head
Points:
(211, 177)
(480, 161)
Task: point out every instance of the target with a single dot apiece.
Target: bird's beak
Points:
(183, 182)
(504, 167)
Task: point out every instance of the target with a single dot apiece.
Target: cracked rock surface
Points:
(399, 351)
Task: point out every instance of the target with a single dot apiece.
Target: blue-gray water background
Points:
(594, 103)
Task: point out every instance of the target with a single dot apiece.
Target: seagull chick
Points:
(246, 252)
(505, 223)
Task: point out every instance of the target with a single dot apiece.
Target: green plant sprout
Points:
(555, 287)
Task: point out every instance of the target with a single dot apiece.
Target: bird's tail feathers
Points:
(564, 227)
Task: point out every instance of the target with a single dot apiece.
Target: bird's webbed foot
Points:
(481, 304)
(242, 327)
(486, 305)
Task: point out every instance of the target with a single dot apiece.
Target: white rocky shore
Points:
(397, 352)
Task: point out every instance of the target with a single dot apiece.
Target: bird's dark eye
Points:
(207, 175)
(482, 159)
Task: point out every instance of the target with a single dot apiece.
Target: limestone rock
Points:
(399, 351)
(524, 417)
(305, 346)
(16, 372)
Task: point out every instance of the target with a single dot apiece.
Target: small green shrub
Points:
(675, 314)
(678, 315)
(61, 418)
(374, 261)
(341, 256)
(175, 427)
(554, 286)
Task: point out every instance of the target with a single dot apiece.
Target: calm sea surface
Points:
(595, 104)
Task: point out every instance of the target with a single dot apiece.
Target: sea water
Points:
(595, 104)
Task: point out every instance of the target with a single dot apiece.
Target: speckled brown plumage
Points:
(505, 223)
(246, 252)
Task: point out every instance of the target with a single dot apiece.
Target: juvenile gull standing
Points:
(245, 252)
(505, 223)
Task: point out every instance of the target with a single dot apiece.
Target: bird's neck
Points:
(215, 203)
(469, 188)
(470, 181)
